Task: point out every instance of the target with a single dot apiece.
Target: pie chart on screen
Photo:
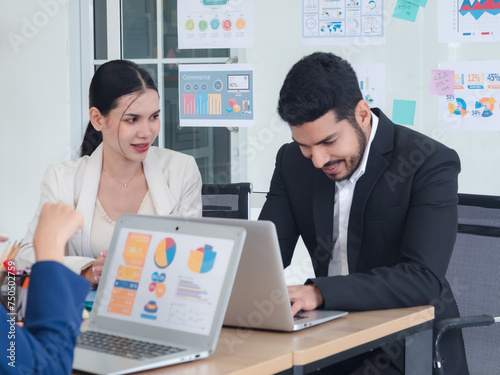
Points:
(165, 253)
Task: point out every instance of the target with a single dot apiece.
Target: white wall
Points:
(411, 51)
(34, 103)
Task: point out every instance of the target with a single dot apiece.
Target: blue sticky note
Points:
(403, 112)
(421, 3)
(406, 10)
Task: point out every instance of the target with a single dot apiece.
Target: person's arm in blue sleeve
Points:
(55, 302)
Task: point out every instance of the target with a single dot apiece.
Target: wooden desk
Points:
(239, 352)
(360, 332)
(252, 352)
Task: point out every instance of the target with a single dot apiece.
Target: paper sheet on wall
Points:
(215, 24)
(326, 22)
(468, 20)
(475, 103)
(216, 95)
(371, 78)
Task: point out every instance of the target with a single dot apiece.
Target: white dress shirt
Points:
(344, 191)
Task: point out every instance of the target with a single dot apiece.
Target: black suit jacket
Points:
(402, 223)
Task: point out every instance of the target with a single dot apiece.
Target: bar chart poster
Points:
(326, 22)
(216, 95)
(468, 21)
(475, 105)
(371, 78)
(215, 24)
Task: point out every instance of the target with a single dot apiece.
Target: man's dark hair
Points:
(317, 84)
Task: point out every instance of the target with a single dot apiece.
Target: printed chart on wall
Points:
(215, 24)
(475, 104)
(371, 79)
(342, 21)
(216, 95)
(468, 20)
(166, 279)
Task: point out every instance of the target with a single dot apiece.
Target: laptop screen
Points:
(165, 279)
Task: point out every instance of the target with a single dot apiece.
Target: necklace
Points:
(121, 183)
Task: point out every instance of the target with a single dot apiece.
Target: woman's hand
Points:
(93, 273)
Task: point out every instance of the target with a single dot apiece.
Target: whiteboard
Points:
(410, 52)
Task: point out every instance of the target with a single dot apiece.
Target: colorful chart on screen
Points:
(202, 260)
(165, 278)
(165, 253)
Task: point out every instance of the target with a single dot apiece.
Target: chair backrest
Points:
(226, 200)
(474, 276)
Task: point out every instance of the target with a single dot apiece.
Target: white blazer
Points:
(173, 179)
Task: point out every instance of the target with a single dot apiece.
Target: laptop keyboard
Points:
(123, 347)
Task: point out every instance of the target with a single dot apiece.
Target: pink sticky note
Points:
(442, 82)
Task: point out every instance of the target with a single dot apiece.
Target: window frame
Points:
(238, 168)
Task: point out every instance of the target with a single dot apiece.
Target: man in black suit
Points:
(375, 203)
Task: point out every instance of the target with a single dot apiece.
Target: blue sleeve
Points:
(46, 343)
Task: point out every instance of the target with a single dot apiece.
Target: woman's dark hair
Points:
(317, 84)
(110, 82)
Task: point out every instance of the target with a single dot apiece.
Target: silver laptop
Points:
(162, 296)
(259, 298)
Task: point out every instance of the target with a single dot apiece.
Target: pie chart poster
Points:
(216, 95)
(475, 103)
(215, 24)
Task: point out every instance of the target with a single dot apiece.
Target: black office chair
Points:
(474, 276)
(226, 200)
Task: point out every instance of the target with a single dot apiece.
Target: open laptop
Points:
(259, 298)
(166, 283)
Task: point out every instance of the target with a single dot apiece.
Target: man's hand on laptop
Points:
(304, 297)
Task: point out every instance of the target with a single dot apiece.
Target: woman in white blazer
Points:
(119, 171)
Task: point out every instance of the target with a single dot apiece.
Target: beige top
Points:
(174, 183)
(103, 226)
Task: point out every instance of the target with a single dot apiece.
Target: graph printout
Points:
(342, 21)
(371, 78)
(166, 279)
(216, 95)
(475, 104)
(468, 20)
(215, 23)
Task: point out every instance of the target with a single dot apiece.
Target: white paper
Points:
(475, 103)
(342, 21)
(216, 95)
(215, 24)
(468, 20)
(371, 78)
